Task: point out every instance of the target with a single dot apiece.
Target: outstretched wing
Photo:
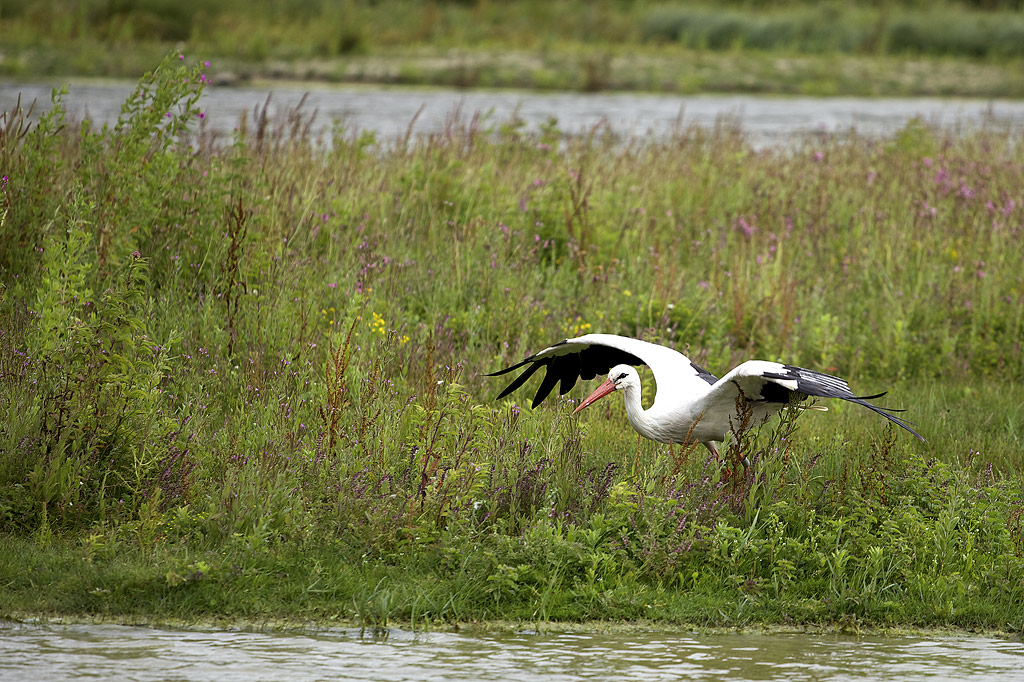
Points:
(588, 356)
(773, 382)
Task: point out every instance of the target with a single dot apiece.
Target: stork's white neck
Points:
(637, 415)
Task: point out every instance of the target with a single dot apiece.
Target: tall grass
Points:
(313, 29)
(265, 348)
(940, 30)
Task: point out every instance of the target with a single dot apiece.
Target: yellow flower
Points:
(377, 326)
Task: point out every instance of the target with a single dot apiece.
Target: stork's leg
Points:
(713, 448)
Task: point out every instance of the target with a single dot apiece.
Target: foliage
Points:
(828, 28)
(770, 46)
(225, 361)
(332, 29)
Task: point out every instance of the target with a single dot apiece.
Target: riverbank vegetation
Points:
(868, 49)
(244, 377)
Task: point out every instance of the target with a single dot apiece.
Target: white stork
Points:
(691, 403)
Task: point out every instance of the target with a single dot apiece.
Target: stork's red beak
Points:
(604, 389)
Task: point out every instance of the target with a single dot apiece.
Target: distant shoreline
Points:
(325, 626)
(641, 69)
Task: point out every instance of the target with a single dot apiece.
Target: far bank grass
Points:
(244, 378)
(568, 68)
(900, 49)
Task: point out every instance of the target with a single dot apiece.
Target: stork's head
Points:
(619, 379)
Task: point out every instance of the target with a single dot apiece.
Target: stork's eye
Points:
(621, 377)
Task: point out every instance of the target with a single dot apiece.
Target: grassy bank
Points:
(244, 378)
(784, 48)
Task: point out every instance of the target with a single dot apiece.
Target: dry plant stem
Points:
(338, 359)
(237, 230)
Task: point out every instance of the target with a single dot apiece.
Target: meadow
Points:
(905, 48)
(242, 378)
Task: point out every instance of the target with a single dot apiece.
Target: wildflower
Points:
(745, 227)
(377, 325)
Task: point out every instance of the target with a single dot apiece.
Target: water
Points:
(392, 112)
(113, 652)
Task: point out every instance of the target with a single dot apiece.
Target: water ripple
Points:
(112, 652)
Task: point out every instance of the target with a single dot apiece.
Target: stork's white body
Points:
(691, 404)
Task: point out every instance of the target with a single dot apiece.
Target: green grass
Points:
(861, 49)
(245, 378)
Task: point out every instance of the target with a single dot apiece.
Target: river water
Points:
(392, 112)
(112, 652)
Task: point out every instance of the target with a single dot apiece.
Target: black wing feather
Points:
(548, 383)
(519, 380)
(818, 384)
(586, 363)
(568, 375)
(703, 373)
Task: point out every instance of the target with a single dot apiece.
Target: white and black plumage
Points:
(691, 403)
